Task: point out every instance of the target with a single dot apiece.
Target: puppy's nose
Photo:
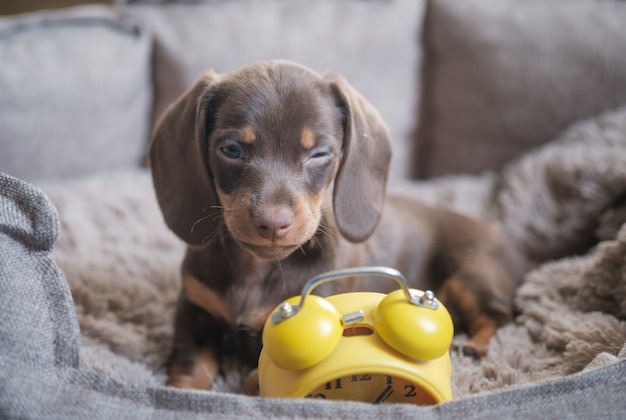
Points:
(274, 223)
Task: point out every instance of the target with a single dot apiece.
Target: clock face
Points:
(374, 388)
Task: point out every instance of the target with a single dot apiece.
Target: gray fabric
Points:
(76, 92)
(373, 43)
(40, 375)
(503, 76)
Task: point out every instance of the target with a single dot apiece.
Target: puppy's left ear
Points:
(178, 162)
(361, 181)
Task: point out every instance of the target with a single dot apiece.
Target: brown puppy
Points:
(274, 174)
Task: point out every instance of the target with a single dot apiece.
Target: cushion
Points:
(503, 76)
(44, 374)
(374, 44)
(122, 264)
(76, 92)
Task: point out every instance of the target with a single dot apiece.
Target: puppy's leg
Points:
(194, 360)
(251, 385)
(193, 371)
(250, 332)
(480, 300)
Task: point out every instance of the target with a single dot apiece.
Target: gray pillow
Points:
(502, 76)
(76, 92)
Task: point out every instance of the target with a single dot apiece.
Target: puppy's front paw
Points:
(199, 374)
(470, 349)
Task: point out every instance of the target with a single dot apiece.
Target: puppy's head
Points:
(259, 148)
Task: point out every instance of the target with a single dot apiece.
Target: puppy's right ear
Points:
(179, 163)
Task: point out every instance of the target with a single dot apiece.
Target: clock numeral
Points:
(389, 380)
(410, 391)
(361, 378)
(336, 384)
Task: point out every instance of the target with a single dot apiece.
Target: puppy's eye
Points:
(319, 157)
(232, 151)
(320, 154)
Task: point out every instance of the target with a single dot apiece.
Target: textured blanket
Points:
(565, 204)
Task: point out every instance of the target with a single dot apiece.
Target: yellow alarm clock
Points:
(361, 346)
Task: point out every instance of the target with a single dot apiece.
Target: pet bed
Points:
(86, 319)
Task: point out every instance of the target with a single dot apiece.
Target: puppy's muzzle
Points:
(273, 223)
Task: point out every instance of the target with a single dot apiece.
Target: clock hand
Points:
(384, 395)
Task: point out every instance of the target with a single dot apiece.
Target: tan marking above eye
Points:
(248, 135)
(307, 139)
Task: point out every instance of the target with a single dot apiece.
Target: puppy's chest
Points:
(254, 293)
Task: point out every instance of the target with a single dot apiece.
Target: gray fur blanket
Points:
(564, 203)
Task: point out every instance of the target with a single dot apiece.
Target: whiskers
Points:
(325, 230)
(215, 235)
(216, 214)
(322, 231)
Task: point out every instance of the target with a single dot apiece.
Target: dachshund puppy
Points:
(274, 174)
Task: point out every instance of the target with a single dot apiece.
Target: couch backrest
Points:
(76, 93)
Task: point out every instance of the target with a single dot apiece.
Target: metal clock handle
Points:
(286, 311)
